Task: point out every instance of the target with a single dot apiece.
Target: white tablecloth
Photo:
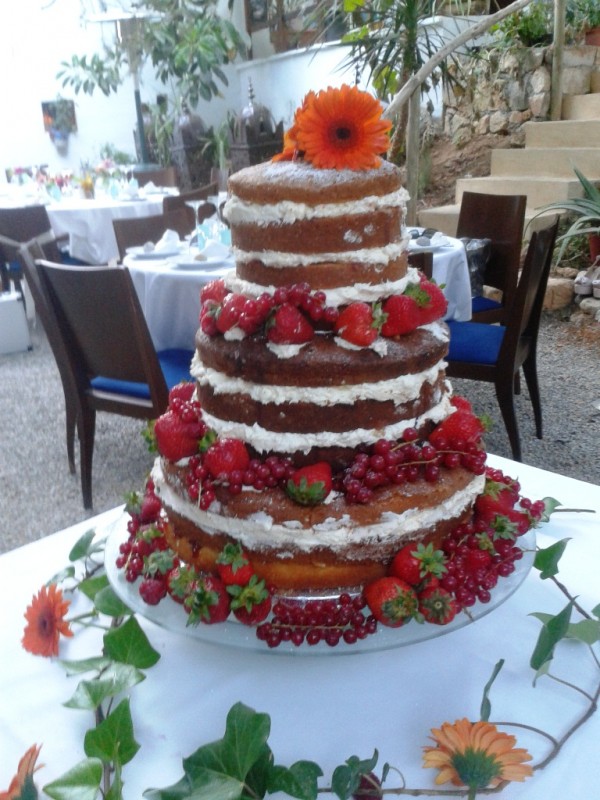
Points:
(324, 708)
(451, 270)
(88, 223)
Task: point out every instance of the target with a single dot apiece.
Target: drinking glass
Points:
(198, 234)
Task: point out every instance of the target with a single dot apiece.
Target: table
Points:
(451, 270)
(88, 223)
(321, 708)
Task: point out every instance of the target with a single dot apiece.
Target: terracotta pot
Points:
(592, 37)
(594, 240)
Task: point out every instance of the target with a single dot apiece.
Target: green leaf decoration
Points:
(116, 679)
(246, 734)
(596, 611)
(129, 644)
(257, 779)
(112, 740)
(486, 706)
(85, 546)
(91, 586)
(586, 631)
(546, 560)
(550, 506)
(178, 791)
(83, 665)
(299, 780)
(552, 632)
(81, 782)
(346, 778)
(107, 602)
(63, 575)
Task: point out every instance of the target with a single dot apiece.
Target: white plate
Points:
(152, 255)
(170, 615)
(200, 266)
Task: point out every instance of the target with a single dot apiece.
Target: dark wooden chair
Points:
(501, 219)
(496, 353)
(136, 231)
(423, 262)
(110, 354)
(173, 202)
(164, 176)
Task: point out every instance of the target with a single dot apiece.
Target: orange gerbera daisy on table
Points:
(477, 755)
(22, 785)
(338, 129)
(46, 622)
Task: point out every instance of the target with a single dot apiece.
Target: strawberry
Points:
(214, 290)
(435, 306)
(182, 392)
(224, 456)
(392, 601)
(176, 439)
(415, 562)
(230, 311)
(250, 603)
(180, 582)
(402, 315)
(460, 427)
(437, 605)
(310, 485)
(152, 590)
(359, 324)
(288, 325)
(150, 508)
(208, 601)
(496, 498)
(233, 566)
(458, 401)
(478, 559)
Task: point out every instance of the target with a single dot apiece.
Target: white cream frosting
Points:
(366, 255)
(259, 531)
(262, 439)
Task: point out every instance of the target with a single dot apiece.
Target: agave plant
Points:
(584, 211)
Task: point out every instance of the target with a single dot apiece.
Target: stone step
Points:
(445, 219)
(563, 133)
(539, 191)
(581, 106)
(556, 162)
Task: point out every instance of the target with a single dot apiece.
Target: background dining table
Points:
(328, 705)
(169, 289)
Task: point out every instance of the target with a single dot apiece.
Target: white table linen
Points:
(324, 708)
(451, 271)
(88, 223)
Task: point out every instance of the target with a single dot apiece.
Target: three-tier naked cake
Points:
(327, 434)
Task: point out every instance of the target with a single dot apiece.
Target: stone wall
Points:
(505, 89)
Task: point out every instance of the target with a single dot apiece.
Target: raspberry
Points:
(152, 590)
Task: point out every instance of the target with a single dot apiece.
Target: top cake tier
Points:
(291, 223)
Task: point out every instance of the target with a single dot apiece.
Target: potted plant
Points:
(583, 17)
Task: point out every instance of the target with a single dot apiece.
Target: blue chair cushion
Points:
(475, 342)
(175, 365)
(484, 304)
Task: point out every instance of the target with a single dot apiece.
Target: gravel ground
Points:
(38, 495)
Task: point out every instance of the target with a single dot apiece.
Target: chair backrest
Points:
(23, 224)
(524, 322)
(103, 328)
(172, 202)
(164, 176)
(422, 262)
(136, 231)
(501, 219)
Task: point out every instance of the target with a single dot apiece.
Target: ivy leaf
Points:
(346, 777)
(486, 706)
(85, 546)
(182, 790)
(596, 611)
(299, 780)
(112, 740)
(81, 782)
(550, 506)
(552, 632)
(85, 665)
(246, 734)
(546, 560)
(59, 577)
(115, 680)
(129, 644)
(91, 586)
(587, 631)
(107, 602)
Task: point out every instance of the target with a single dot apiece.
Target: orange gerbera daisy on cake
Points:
(338, 129)
(22, 785)
(476, 754)
(46, 622)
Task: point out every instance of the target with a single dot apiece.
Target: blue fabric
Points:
(175, 365)
(475, 342)
(484, 304)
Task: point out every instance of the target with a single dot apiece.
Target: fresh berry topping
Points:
(402, 315)
(457, 430)
(208, 601)
(415, 562)
(176, 438)
(233, 566)
(229, 313)
(310, 485)
(392, 601)
(180, 582)
(152, 590)
(437, 605)
(251, 603)
(226, 456)
(435, 306)
(359, 324)
(288, 325)
(215, 291)
(183, 392)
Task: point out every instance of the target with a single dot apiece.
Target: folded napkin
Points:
(214, 249)
(168, 241)
(150, 187)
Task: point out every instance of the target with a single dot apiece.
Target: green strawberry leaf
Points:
(129, 644)
(81, 782)
(112, 740)
(546, 559)
(555, 629)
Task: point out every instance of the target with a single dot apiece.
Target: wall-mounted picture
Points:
(59, 115)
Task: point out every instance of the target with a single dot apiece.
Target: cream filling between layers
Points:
(263, 440)
(286, 212)
(259, 531)
(402, 389)
(367, 255)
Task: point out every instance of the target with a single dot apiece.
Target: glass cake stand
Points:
(170, 615)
